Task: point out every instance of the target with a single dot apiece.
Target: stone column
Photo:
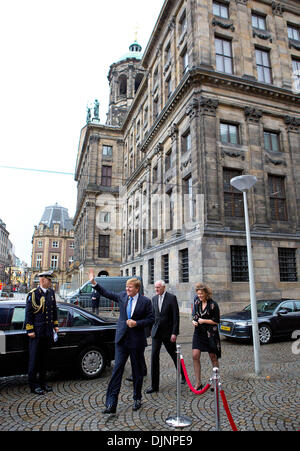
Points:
(209, 160)
(177, 192)
(293, 132)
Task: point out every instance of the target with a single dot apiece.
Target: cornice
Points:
(200, 75)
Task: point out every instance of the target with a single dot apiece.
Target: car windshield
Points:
(264, 306)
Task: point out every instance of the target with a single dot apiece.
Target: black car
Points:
(85, 341)
(276, 318)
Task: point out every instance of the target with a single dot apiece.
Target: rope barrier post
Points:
(178, 421)
(216, 380)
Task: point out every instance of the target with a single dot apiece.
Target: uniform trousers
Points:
(38, 353)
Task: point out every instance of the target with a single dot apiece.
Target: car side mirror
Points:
(282, 311)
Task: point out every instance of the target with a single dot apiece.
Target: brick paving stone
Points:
(269, 402)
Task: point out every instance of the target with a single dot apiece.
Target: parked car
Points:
(83, 296)
(276, 318)
(85, 341)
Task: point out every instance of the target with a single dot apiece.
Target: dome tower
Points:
(124, 77)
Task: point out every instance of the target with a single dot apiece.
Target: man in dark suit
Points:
(135, 315)
(41, 321)
(164, 331)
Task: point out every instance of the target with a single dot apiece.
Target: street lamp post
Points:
(244, 183)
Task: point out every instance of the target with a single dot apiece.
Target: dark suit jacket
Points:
(143, 315)
(167, 321)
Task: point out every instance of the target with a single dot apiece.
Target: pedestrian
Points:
(206, 317)
(95, 301)
(41, 323)
(135, 315)
(164, 331)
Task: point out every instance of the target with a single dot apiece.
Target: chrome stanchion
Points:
(216, 382)
(178, 421)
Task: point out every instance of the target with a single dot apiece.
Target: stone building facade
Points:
(53, 246)
(219, 98)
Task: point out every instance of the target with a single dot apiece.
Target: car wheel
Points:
(92, 362)
(265, 334)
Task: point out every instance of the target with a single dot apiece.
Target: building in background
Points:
(219, 98)
(53, 246)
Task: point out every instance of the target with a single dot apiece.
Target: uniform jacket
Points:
(142, 314)
(41, 312)
(167, 320)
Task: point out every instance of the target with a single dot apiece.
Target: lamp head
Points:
(243, 182)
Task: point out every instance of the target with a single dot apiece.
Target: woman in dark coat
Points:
(206, 316)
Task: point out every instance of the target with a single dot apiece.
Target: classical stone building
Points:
(53, 246)
(219, 98)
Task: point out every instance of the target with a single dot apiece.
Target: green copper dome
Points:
(135, 51)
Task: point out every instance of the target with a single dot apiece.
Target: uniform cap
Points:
(47, 274)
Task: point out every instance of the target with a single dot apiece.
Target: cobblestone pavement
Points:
(269, 402)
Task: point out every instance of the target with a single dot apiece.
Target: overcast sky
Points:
(55, 57)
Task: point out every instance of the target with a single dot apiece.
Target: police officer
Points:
(41, 322)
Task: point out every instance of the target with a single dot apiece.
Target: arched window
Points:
(123, 85)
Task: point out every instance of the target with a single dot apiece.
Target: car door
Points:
(15, 359)
(60, 350)
(285, 321)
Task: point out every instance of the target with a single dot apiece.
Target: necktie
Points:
(129, 305)
(160, 299)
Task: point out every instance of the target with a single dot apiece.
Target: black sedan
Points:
(276, 318)
(85, 341)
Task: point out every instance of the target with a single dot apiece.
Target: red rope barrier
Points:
(226, 407)
(197, 392)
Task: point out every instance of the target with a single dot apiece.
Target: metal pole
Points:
(178, 420)
(256, 344)
(216, 379)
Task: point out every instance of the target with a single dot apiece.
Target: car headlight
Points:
(243, 323)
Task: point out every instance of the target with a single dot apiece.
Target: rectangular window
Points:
(38, 261)
(55, 244)
(271, 141)
(169, 210)
(188, 206)
(186, 142)
(106, 175)
(182, 23)
(168, 160)
(296, 75)
(107, 151)
(287, 265)
(293, 33)
(224, 61)
(151, 271)
(239, 264)
(155, 107)
(184, 265)
(263, 66)
(185, 62)
(54, 262)
(259, 22)
(233, 198)
(229, 133)
(40, 244)
(165, 268)
(277, 198)
(103, 248)
(220, 10)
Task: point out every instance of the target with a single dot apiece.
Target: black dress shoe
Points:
(110, 409)
(46, 388)
(37, 391)
(183, 381)
(137, 405)
(151, 390)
